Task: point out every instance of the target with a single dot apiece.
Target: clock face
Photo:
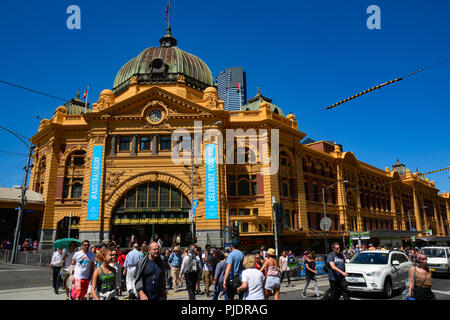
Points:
(155, 116)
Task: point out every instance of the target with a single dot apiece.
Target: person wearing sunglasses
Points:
(116, 265)
(68, 256)
(420, 280)
(83, 263)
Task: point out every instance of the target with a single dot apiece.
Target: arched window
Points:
(40, 178)
(151, 196)
(76, 158)
(243, 186)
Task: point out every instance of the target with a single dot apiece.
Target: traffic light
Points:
(279, 213)
(235, 230)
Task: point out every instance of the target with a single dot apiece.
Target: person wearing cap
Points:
(233, 272)
(175, 260)
(272, 275)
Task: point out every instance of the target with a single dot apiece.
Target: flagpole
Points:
(169, 15)
(85, 103)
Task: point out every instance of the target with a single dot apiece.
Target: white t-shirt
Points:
(68, 260)
(207, 266)
(83, 264)
(255, 281)
(57, 259)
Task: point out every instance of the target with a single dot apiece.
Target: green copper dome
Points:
(253, 104)
(164, 65)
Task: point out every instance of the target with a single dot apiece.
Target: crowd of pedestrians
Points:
(146, 272)
(28, 245)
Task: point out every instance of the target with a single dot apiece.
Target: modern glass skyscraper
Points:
(229, 82)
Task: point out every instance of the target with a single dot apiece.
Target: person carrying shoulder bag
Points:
(420, 280)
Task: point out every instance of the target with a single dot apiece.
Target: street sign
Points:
(429, 232)
(191, 216)
(325, 223)
(413, 238)
(362, 238)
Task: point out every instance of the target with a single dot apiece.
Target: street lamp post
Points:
(22, 195)
(324, 189)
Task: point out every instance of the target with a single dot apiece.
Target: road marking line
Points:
(441, 292)
(18, 270)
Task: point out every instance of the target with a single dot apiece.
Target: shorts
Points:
(79, 288)
(272, 282)
(65, 275)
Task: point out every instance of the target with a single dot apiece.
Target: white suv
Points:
(438, 259)
(378, 271)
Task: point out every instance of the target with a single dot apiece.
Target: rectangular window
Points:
(186, 203)
(254, 185)
(255, 211)
(164, 195)
(244, 212)
(145, 143)
(124, 144)
(175, 198)
(142, 196)
(131, 199)
(66, 188)
(153, 195)
(165, 143)
(232, 212)
(244, 227)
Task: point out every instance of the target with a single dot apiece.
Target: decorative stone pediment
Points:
(172, 105)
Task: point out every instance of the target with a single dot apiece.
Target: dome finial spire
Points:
(168, 40)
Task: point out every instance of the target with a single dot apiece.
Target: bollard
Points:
(26, 258)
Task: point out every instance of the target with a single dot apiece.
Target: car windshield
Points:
(434, 253)
(371, 258)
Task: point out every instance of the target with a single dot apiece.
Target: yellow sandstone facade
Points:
(143, 192)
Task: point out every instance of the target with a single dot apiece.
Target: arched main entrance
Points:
(150, 211)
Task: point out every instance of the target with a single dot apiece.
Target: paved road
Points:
(22, 276)
(25, 282)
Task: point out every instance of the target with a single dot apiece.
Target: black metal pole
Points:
(21, 207)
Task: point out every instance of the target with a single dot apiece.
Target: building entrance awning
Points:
(393, 233)
(433, 238)
(385, 234)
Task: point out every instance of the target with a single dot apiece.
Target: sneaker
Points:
(303, 295)
(292, 286)
(287, 286)
(319, 296)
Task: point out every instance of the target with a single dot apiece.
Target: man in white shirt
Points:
(207, 268)
(84, 265)
(129, 269)
(55, 265)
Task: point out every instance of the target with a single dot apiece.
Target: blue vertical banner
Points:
(212, 211)
(93, 211)
(194, 207)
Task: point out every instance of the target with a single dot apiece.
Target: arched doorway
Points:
(151, 211)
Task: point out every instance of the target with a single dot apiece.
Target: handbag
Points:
(406, 291)
(235, 281)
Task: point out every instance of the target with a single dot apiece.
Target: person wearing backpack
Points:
(189, 270)
(233, 272)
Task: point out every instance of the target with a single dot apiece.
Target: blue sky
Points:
(305, 55)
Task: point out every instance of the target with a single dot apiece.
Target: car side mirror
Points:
(395, 263)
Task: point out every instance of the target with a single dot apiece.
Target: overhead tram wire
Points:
(13, 153)
(34, 91)
(377, 87)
